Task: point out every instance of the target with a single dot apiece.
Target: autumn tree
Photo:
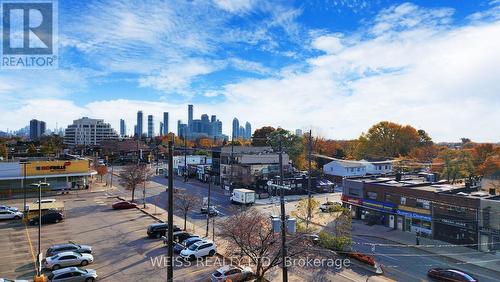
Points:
(291, 143)
(250, 233)
(304, 208)
(387, 139)
(490, 166)
(101, 171)
(456, 164)
(184, 202)
(260, 136)
(134, 175)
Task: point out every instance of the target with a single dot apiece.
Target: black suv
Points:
(157, 230)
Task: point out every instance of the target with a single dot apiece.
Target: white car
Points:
(67, 259)
(231, 273)
(45, 201)
(4, 207)
(199, 250)
(73, 274)
(9, 280)
(8, 214)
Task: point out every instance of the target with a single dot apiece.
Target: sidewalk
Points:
(462, 254)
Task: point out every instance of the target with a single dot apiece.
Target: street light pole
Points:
(283, 218)
(170, 208)
(208, 202)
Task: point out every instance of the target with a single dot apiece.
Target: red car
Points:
(123, 205)
(450, 274)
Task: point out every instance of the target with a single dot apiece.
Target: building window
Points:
(403, 201)
(385, 167)
(372, 195)
(388, 197)
(359, 169)
(424, 204)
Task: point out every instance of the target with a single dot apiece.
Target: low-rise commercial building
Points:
(242, 166)
(413, 204)
(58, 173)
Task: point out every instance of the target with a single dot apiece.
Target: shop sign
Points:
(379, 205)
(453, 222)
(414, 210)
(414, 215)
(56, 167)
(349, 200)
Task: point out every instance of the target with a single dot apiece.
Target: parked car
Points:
(66, 259)
(199, 250)
(8, 214)
(73, 274)
(328, 205)
(180, 236)
(69, 247)
(185, 244)
(157, 230)
(4, 207)
(45, 201)
(231, 273)
(123, 205)
(9, 280)
(51, 217)
(450, 274)
(213, 211)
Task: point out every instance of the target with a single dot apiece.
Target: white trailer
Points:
(243, 196)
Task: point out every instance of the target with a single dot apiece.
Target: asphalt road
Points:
(410, 264)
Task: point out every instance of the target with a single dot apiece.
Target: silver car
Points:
(73, 274)
(68, 247)
(66, 259)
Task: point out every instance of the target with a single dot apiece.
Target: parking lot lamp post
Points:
(39, 228)
(170, 208)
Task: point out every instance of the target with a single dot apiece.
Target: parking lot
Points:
(121, 250)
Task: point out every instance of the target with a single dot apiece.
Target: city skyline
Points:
(315, 65)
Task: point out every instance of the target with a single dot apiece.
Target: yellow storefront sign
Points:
(415, 210)
(56, 167)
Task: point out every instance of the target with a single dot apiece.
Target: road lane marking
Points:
(31, 245)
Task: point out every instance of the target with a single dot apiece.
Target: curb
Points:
(427, 251)
(143, 211)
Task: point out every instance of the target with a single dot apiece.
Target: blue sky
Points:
(336, 66)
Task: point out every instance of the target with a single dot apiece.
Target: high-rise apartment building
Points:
(204, 127)
(123, 129)
(236, 129)
(165, 123)
(248, 130)
(139, 130)
(37, 129)
(150, 126)
(87, 131)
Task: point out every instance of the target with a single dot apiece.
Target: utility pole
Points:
(185, 161)
(309, 147)
(232, 161)
(208, 202)
(283, 217)
(144, 191)
(170, 208)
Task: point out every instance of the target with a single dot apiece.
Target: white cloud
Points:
(235, 6)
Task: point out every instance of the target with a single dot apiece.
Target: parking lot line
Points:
(31, 245)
